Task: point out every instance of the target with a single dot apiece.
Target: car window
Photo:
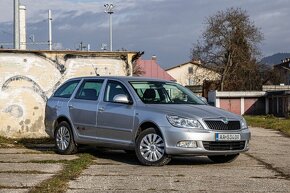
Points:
(151, 94)
(114, 88)
(66, 90)
(89, 90)
(164, 93)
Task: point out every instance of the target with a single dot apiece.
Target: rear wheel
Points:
(64, 141)
(223, 158)
(150, 148)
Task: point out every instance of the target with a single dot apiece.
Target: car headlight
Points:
(244, 124)
(177, 121)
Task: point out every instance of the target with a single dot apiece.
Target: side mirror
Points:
(203, 99)
(121, 98)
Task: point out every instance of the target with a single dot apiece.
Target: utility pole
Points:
(16, 25)
(109, 10)
(49, 30)
(22, 27)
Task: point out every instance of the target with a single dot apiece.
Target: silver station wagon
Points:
(155, 118)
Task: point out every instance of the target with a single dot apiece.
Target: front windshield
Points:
(164, 93)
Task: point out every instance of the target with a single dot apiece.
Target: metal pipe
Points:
(49, 30)
(16, 25)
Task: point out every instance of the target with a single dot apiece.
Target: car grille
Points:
(219, 125)
(221, 145)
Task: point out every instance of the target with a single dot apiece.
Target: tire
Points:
(64, 141)
(150, 148)
(223, 158)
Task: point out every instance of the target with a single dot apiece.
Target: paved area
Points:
(265, 168)
(272, 148)
(21, 169)
(182, 175)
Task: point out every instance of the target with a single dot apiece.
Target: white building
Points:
(192, 73)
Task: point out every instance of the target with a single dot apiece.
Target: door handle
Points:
(71, 106)
(101, 109)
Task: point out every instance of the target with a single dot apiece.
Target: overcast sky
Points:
(165, 28)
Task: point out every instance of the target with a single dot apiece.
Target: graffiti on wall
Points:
(28, 79)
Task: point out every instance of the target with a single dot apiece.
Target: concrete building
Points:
(192, 73)
(278, 98)
(275, 102)
(240, 102)
(27, 78)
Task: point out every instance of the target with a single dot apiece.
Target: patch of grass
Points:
(59, 183)
(43, 140)
(24, 172)
(40, 152)
(47, 161)
(10, 142)
(13, 187)
(270, 122)
(5, 140)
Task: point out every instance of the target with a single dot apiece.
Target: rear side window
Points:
(66, 90)
(89, 90)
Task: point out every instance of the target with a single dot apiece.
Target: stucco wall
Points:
(27, 79)
(198, 75)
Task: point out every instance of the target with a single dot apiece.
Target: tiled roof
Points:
(153, 70)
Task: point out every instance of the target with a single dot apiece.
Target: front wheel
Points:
(150, 148)
(223, 158)
(64, 141)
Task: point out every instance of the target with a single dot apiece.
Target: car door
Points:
(83, 108)
(115, 120)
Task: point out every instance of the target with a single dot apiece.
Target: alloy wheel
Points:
(152, 147)
(63, 138)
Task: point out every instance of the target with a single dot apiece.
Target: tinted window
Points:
(66, 90)
(89, 90)
(114, 88)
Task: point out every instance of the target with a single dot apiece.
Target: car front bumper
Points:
(206, 143)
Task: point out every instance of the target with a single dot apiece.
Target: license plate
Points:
(227, 137)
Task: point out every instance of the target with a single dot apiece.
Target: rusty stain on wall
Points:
(27, 79)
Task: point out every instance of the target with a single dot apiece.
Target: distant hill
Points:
(275, 59)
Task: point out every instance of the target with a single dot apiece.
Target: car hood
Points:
(193, 111)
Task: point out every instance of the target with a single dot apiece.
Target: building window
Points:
(190, 70)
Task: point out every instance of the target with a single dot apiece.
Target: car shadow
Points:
(120, 156)
(114, 157)
(39, 144)
(190, 160)
(109, 156)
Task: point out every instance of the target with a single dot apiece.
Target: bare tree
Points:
(230, 45)
(137, 69)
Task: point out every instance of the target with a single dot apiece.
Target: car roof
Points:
(122, 78)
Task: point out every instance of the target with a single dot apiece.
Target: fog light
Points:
(188, 144)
